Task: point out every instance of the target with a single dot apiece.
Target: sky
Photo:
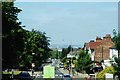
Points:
(71, 23)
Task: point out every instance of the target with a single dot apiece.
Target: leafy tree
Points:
(65, 51)
(35, 42)
(18, 43)
(53, 54)
(116, 40)
(12, 35)
(83, 61)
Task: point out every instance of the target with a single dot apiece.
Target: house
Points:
(100, 49)
(113, 53)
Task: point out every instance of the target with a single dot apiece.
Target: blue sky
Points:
(70, 22)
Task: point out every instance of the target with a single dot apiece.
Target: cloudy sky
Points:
(70, 22)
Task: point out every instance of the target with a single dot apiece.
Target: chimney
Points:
(107, 37)
(92, 41)
(98, 39)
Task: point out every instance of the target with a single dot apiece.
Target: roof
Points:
(92, 45)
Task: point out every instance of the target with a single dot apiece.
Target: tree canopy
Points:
(83, 61)
(116, 40)
(11, 36)
(18, 43)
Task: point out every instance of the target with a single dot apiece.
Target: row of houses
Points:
(102, 49)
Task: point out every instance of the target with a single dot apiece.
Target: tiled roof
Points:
(92, 45)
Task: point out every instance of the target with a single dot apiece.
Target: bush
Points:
(101, 75)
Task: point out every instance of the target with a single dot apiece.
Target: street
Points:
(59, 72)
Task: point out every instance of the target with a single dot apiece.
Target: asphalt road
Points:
(58, 73)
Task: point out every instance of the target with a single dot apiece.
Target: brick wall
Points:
(101, 49)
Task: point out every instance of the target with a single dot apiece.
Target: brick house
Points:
(100, 48)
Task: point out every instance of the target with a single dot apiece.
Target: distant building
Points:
(101, 49)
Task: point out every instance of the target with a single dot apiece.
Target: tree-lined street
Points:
(28, 52)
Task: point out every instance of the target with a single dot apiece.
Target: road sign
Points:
(48, 72)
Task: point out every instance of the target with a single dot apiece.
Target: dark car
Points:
(97, 69)
(25, 76)
(67, 77)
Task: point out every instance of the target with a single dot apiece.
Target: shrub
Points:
(101, 75)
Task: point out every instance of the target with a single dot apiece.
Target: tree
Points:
(12, 38)
(18, 43)
(35, 42)
(116, 40)
(65, 51)
(83, 61)
(53, 54)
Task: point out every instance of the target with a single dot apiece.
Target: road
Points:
(59, 72)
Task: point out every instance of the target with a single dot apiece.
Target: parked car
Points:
(97, 69)
(67, 77)
(24, 76)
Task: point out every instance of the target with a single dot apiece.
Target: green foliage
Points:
(63, 56)
(65, 51)
(9, 17)
(117, 67)
(101, 75)
(18, 43)
(12, 37)
(116, 40)
(35, 42)
(63, 59)
(53, 54)
(83, 61)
